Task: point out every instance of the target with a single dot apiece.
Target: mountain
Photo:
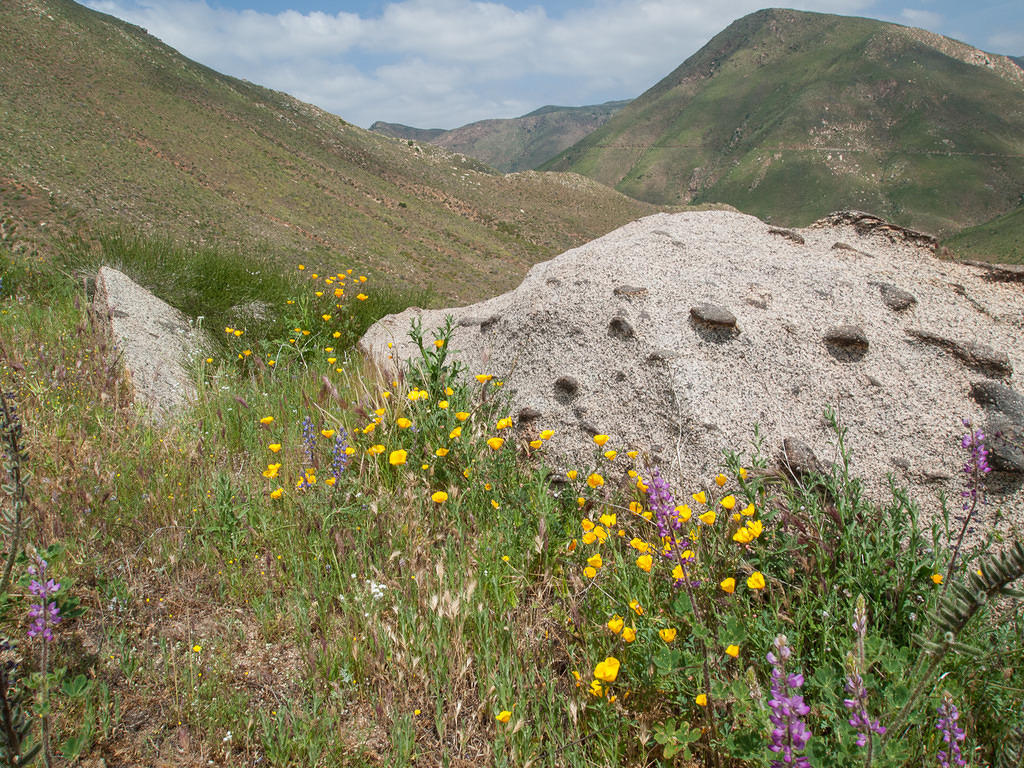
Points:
(789, 115)
(121, 131)
(1019, 60)
(514, 144)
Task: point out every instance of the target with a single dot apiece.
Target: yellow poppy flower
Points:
(937, 578)
(590, 572)
(668, 634)
(743, 536)
(733, 650)
(277, 493)
(455, 433)
(274, 447)
(608, 519)
(362, 297)
(728, 585)
(607, 670)
(504, 423)
(756, 580)
(629, 634)
(547, 434)
(267, 420)
(615, 624)
(495, 443)
(595, 480)
(721, 480)
(504, 716)
(271, 471)
(462, 415)
(483, 378)
(374, 450)
(442, 404)
(701, 700)
(403, 423)
(442, 452)
(536, 444)
(639, 545)
(595, 560)
(644, 563)
(328, 433)
(708, 518)
(700, 497)
(728, 502)
(637, 608)
(397, 457)
(571, 474)
(600, 440)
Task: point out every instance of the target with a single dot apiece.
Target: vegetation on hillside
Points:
(1000, 239)
(789, 116)
(125, 132)
(312, 566)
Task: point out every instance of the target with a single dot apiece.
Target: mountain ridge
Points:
(127, 132)
(513, 144)
(789, 115)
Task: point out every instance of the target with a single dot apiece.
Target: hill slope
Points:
(124, 130)
(1000, 239)
(790, 115)
(515, 144)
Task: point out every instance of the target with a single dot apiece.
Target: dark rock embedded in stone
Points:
(896, 298)
(797, 459)
(841, 246)
(1004, 438)
(481, 320)
(975, 356)
(526, 413)
(661, 355)
(787, 233)
(993, 396)
(713, 316)
(630, 291)
(620, 328)
(851, 337)
(1004, 426)
(566, 389)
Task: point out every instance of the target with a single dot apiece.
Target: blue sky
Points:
(444, 63)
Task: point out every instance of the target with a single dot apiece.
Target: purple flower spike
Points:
(790, 733)
(952, 734)
(976, 467)
(43, 613)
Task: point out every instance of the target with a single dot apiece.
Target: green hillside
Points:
(516, 144)
(790, 115)
(1001, 239)
(124, 131)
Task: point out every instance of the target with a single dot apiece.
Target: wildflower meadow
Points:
(317, 565)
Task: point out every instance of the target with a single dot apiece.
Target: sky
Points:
(445, 63)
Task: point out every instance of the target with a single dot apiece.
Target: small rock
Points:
(896, 298)
(713, 315)
(661, 355)
(526, 413)
(630, 291)
(566, 389)
(848, 337)
(590, 428)
(840, 246)
(471, 320)
(797, 459)
(619, 328)
(787, 233)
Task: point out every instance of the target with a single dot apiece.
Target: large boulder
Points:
(156, 342)
(808, 329)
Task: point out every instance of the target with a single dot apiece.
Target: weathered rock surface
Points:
(676, 388)
(1003, 426)
(155, 340)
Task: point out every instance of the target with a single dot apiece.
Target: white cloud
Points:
(443, 63)
(915, 17)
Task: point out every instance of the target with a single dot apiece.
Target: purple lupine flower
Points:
(339, 458)
(44, 614)
(308, 439)
(952, 733)
(659, 496)
(858, 701)
(976, 467)
(790, 733)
